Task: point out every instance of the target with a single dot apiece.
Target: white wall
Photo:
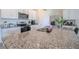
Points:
(57, 12)
(43, 18)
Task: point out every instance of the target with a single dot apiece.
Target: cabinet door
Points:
(9, 13)
(32, 14)
(9, 31)
(0, 35)
(71, 14)
(66, 14)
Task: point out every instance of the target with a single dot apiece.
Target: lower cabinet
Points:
(8, 31)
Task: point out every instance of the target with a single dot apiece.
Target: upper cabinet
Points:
(71, 13)
(23, 14)
(9, 13)
(32, 14)
(14, 13)
(26, 11)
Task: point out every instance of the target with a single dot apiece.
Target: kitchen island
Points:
(57, 39)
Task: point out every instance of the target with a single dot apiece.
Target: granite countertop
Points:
(58, 38)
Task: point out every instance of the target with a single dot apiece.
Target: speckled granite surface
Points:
(58, 38)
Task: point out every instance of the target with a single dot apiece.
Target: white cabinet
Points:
(71, 13)
(7, 31)
(32, 14)
(26, 11)
(66, 14)
(9, 13)
(0, 36)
